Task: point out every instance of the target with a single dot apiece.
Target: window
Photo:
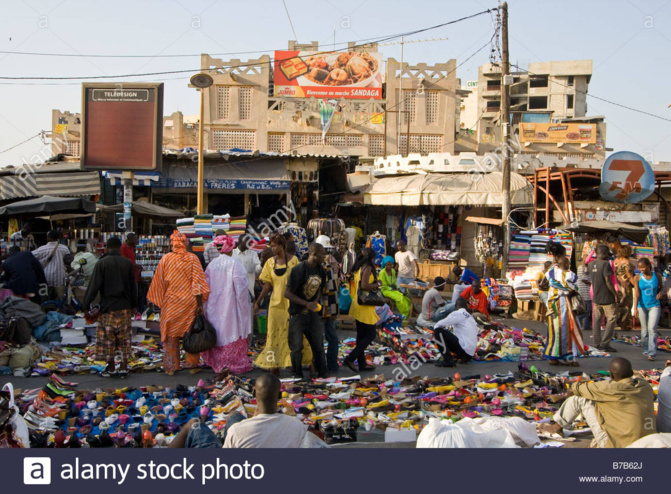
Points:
(299, 140)
(571, 80)
(409, 106)
(245, 103)
(375, 145)
(275, 143)
(538, 103)
(354, 140)
(223, 102)
(493, 106)
(422, 144)
(569, 102)
(71, 148)
(494, 85)
(234, 139)
(431, 107)
(541, 81)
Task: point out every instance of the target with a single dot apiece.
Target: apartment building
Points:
(66, 133)
(541, 98)
(416, 113)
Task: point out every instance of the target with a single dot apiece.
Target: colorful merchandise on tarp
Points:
(626, 177)
(306, 74)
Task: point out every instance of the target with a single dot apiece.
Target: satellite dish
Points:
(202, 80)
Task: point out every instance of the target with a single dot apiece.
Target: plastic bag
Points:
(16, 425)
(201, 337)
(445, 434)
(345, 299)
(577, 304)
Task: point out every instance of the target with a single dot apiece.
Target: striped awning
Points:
(14, 186)
(54, 184)
(140, 179)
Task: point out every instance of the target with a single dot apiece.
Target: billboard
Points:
(555, 133)
(122, 126)
(626, 177)
(307, 74)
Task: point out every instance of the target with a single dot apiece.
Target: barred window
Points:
(299, 140)
(223, 102)
(422, 144)
(71, 147)
(409, 106)
(354, 140)
(375, 145)
(315, 139)
(229, 139)
(339, 141)
(245, 103)
(276, 143)
(431, 107)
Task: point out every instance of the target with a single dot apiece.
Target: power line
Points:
(289, 17)
(643, 112)
(21, 143)
(255, 64)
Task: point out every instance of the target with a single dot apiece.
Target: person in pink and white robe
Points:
(228, 310)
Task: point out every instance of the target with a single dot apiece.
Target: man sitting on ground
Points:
(266, 429)
(434, 308)
(462, 341)
(477, 299)
(619, 411)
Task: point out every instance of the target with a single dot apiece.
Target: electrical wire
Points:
(290, 23)
(21, 143)
(252, 64)
(643, 112)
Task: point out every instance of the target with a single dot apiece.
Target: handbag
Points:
(200, 337)
(577, 304)
(370, 297)
(14, 431)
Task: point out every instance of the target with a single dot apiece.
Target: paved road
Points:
(588, 365)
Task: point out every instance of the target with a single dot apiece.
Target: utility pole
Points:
(505, 133)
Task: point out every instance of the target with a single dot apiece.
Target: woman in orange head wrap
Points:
(179, 287)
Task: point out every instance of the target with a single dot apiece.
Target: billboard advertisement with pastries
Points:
(307, 74)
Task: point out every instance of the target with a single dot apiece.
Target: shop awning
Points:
(636, 234)
(25, 184)
(448, 189)
(140, 179)
(40, 206)
(142, 208)
(248, 176)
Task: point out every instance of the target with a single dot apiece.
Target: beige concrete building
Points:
(66, 133)
(180, 132)
(241, 111)
(548, 93)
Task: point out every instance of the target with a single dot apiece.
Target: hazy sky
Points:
(628, 41)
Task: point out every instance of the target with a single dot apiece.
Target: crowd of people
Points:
(605, 293)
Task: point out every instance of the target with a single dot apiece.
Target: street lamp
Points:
(202, 82)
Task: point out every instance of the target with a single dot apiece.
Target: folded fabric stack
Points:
(538, 256)
(520, 247)
(524, 291)
(221, 222)
(198, 244)
(258, 245)
(640, 251)
(186, 226)
(566, 240)
(203, 226)
(238, 226)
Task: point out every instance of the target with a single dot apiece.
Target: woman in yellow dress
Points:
(364, 315)
(275, 275)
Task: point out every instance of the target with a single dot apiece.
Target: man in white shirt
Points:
(407, 268)
(51, 257)
(211, 252)
(249, 260)
(24, 238)
(266, 429)
(463, 342)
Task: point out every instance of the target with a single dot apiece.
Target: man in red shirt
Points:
(128, 251)
(477, 299)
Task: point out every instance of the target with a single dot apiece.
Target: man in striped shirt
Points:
(51, 257)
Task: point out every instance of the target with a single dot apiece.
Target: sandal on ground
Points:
(350, 366)
(554, 362)
(123, 374)
(367, 367)
(651, 359)
(109, 374)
